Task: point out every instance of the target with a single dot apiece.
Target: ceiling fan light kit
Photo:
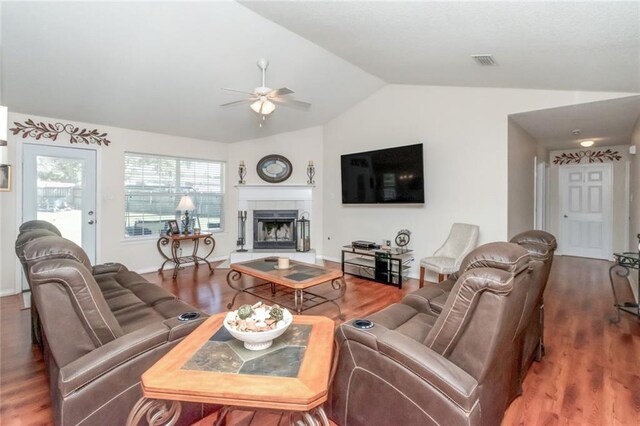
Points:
(263, 99)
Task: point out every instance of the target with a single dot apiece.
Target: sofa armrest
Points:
(108, 268)
(439, 372)
(107, 357)
(367, 337)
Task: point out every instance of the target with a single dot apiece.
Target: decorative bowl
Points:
(258, 340)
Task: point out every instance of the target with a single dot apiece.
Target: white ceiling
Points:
(537, 45)
(607, 123)
(159, 66)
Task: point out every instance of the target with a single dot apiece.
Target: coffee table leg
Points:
(155, 411)
(315, 417)
(233, 276)
(222, 417)
(298, 294)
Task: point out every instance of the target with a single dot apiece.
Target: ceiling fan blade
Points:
(243, 101)
(238, 91)
(292, 103)
(280, 92)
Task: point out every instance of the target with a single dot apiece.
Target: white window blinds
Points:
(155, 184)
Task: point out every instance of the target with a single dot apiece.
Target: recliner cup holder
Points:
(188, 316)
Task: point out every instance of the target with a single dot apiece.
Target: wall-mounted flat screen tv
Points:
(385, 176)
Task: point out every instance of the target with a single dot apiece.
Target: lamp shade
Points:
(186, 203)
(263, 106)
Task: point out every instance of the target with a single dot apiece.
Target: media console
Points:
(384, 266)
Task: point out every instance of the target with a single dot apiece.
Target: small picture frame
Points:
(5, 177)
(173, 226)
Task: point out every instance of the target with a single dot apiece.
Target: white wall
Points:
(139, 254)
(464, 131)
(619, 238)
(298, 147)
(634, 217)
(522, 152)
(634, 228)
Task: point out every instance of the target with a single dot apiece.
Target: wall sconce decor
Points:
(186, 204)
(242, 172)
(311, 172)
(242, 229)
(303, 233)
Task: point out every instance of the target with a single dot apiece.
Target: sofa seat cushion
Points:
(122, 284)
(405, 320)
(441, 264)
(139, 315)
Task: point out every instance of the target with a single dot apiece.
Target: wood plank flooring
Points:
(589, 376)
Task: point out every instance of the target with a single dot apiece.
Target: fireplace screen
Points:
(274, 229)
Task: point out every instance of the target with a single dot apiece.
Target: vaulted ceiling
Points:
(159, 66)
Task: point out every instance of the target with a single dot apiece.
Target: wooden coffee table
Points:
(210, 366)
(280, 285)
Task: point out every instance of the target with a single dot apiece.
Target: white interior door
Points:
(59, 186)
(586, 210)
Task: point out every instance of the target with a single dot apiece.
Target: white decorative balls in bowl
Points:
(257, 325)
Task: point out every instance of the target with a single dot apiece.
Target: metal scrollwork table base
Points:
(624, 262)
(175, 241)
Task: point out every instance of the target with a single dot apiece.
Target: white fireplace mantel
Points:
(275, 192)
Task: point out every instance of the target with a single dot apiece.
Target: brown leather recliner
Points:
(452, 369)
(529, 336)
(28, 232)
(541, 246)
(101, 332)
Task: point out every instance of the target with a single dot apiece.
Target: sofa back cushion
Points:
(484, 299)
(73, 311)
(31, 225)
(540, 244)
(54, 247)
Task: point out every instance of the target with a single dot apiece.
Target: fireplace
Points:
(274, 229)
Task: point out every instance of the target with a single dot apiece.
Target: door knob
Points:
(566, 216)
(91, 222)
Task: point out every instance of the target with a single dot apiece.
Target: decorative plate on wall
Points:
(274, 168)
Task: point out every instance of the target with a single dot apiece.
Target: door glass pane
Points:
(59, 192)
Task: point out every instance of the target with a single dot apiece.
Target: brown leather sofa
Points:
(102, 327)
(541, 246)
(455, 368)
(28, 232)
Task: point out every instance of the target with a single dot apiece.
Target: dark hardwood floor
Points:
(589, 376)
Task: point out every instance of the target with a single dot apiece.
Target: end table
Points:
(175, 241)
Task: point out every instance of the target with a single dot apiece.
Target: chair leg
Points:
(441, 277)
(421, 276)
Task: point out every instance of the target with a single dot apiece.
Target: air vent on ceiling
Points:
(484, 60)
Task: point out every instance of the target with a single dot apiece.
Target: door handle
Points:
(566, 216)
(91, 222)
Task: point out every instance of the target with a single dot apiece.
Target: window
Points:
(154, 185)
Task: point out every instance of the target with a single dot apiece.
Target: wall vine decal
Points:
(592, 156)
(53, 130)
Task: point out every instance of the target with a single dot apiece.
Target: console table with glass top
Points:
(624, 263)
(175, 241)
(386, 266)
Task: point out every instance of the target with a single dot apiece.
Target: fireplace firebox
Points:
(274, 229)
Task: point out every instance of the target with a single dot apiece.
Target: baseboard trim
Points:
(8, 292)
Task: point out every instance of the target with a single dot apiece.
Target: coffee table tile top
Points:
(224, 354)
(298, 271)
(168, 380)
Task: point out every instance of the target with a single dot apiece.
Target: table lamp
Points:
(185, 205)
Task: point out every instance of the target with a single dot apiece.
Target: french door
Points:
(59, 186)
(586, 210)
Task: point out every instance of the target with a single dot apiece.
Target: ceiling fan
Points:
(263, 99)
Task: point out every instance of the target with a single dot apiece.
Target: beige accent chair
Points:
(463, 238)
